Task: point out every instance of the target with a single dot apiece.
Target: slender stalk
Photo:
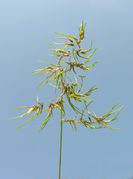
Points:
(60, 154)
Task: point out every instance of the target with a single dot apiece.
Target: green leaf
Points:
(75, 108)
(88, 93)
(89, 67)
(27, 122)
(113, 111)
(45, 121)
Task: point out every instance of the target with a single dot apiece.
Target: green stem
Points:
(60, 156)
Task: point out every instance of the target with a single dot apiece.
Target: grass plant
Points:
(67, 75)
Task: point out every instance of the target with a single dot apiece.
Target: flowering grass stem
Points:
(67, 76)
(60, 154)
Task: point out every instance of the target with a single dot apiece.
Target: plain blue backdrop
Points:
(26, 28)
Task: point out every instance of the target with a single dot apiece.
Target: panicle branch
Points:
(72, 60)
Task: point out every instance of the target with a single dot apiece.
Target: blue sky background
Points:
(26, 28)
